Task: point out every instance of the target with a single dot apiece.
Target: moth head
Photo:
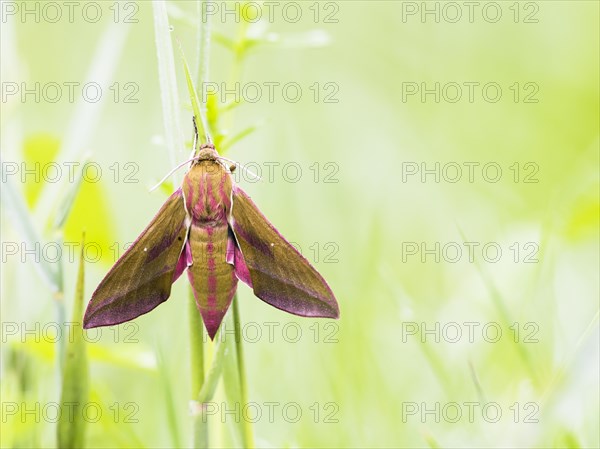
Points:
(207, 153)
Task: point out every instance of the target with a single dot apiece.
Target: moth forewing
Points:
(280, 275)
(141, 279)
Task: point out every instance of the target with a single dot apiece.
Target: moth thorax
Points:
(207, 153)
(210, 167)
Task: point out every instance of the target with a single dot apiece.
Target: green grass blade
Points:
(196, 346)
(199, 117)
(104, 62)
(75, 379)
(168, 85)
(562, 370)
(477, 383)
(236, 385)
(15, 206)
(225, 41)
(239, 136)
(248, 433)
(214, 373)
(207, 392)
(66, 203)
(504, 315)
(167, 388)
(431, 441)
(200, 434)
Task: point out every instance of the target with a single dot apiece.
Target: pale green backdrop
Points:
(416, 359)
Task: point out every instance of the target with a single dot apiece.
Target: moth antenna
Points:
(195, 139)
(192, 154)
(171, 172)
(235, 164)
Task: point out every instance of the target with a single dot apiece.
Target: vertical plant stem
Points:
(59, 305)
(196, 345)
(247, 432)
(16, 209)
(505, 317)
(198, 115)
(170, 406)
(168, 84)
(200, 426)
(75, 383)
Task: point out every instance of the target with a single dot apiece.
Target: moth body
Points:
(207, 190)
(211, 228)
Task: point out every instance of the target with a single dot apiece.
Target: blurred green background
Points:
(417, 346)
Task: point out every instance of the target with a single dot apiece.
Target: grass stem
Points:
(247, 431)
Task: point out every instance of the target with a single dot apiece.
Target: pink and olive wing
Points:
(141, 279)
(280, 275)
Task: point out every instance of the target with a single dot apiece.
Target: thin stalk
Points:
(247, 431)
(196, 345)
(201, 124)
(65, 206)
(16, 209)
(74, 388)
(170, 406)
(206, 394)
(168, 85)
(505, 316)
(59, 305)
(562, 370)
(200, 436)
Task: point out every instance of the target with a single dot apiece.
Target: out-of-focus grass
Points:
(75, 378)
(370, 371)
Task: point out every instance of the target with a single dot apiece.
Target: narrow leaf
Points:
(196, 345)
(199, 116)
(197, 368)
(246, 426)
(206, 394)
(171, 410)
(214, 373)
(168, 84)
(75, 379)
(66, 203)
(223, 40)
(234, 378)
(504, 314)
(239, 136)
(15, 206)
(104, 60)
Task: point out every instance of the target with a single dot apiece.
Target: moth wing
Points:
(280, 275)
(141, 279)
